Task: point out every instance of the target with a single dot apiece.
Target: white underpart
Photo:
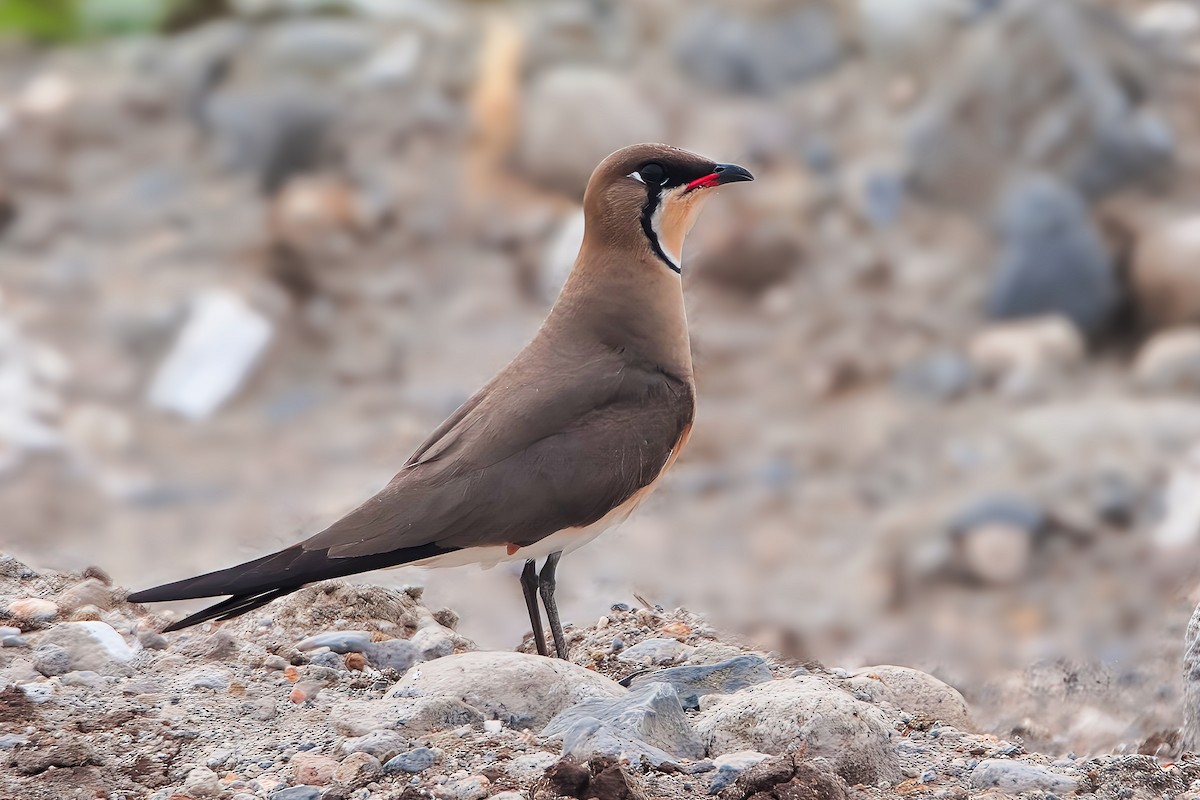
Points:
(637, 176)
(655, 220)
(563, 541)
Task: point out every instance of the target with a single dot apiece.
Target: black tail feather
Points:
(258, 582)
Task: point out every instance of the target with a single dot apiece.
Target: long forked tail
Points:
(256, 583)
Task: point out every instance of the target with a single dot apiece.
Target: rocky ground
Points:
(946, 344)
(343, 691)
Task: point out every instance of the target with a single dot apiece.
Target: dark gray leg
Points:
(546, 587)
(529, 585)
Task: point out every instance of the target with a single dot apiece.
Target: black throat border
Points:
(653, 197)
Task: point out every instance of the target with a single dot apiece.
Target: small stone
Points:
(942, 376)
(264, 709)
(33, 609)
(730, 766)
(915, 692)
(313, 768)
(357, 769)
(1025, 357)
(337, 641)
(202, 782)
(656, 651)
(215, 679)
(306, 690)
(383, 744)
(275, 662)
(476, 787)
(1019, 776)
(82, 677)
(51, 660)
(432, 642)
(1170, 362)
(397, 654)
(327, 659)
(492, 726)
(152, 640)
(996, 553)
(220, 646)
(355, 662)
(529, 766)
(1166, 283)
(298, 793)
(416, 760)
(90, 592)
(693, 682)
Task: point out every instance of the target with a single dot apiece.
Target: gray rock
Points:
(413, 761)
(693, 682)
(152, 640)
(730, 766)
(10, 740)
(734, 51)
(650, 714)
(412, 715)
(588, 737)
(1052, 259)
(397, 654)
(1018, 776)
(14, 641)
(523, 690)
(913, 691)
(383, 744)
(10, 567)
(807, 711)
(51, 660)
(652, 652)
(474, 787)
(82, 677)
(432, 641)
(92, 645)
(301, 792)
(1191, 683)
(337, 641)
(529, 766)
(327, 659)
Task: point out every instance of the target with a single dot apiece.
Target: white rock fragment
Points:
(212, 357)
(93, 645)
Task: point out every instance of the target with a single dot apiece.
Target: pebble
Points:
(1019, 776)
(301, 792)
(529, 766)
(655, 652)
(1025, 357)
(327, 659)
(383, 744)
(1170, 361)
(397, 654)
(432, 642)
(357, 769)
(337, 641)
(14, 641)
(202, 782)
(90, 592)
(475, 787)
(51, 660)
(313, 768)
(648, 721)
(1163, 274)
(942, 376)
(34, 609)
(152, 640)
(38, 692)
(416, 760)
(82, 677)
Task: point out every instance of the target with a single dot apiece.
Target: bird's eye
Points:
(653, 173)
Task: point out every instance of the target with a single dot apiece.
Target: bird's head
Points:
(647, 197)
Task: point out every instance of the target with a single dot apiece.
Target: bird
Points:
(562, 444)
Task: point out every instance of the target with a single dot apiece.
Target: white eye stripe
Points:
(637, 176)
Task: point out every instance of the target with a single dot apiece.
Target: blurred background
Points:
(252, 251)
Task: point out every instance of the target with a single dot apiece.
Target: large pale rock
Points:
(913, 691)
(92, 645)
(807, 711)
(412, 715)
(648, 715)
(525, 690)
(1018, 776)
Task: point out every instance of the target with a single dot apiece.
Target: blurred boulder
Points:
(1170, 361)
(558, 256)
(574, 117)
(915, 692)
(994, 539)
(1165, 273)
(1180, 524)
(316, 44)
(1052, 259)
(943, 375)
(1024, 357)
(808, 712)
(600, 32)
(736, 51)
(212, 357)
(1057, 87)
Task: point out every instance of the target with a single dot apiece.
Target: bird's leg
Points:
(529, 585)
(546, 588)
